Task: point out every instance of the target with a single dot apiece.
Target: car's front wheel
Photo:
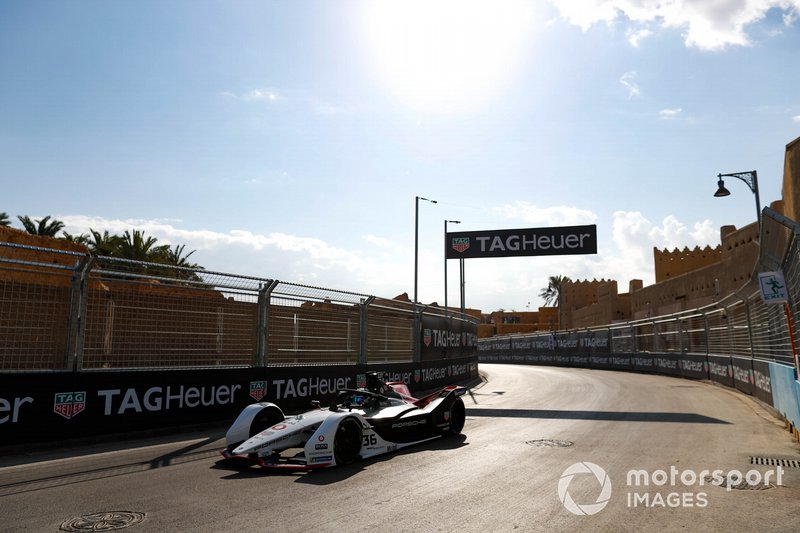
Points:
(347, 442)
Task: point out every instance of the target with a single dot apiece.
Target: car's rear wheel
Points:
(266, 418)
(347, 442)
(457, 415)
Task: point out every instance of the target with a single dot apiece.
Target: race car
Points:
(359, 423)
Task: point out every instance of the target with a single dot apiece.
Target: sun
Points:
(445, 56)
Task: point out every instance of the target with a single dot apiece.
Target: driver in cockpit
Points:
(375, 384)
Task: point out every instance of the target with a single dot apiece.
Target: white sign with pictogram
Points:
(773, 287)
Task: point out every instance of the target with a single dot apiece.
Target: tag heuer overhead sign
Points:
(563, 240)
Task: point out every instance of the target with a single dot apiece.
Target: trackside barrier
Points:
(771, 382)
(60, 405)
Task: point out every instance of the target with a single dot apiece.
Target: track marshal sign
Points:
(563, 240)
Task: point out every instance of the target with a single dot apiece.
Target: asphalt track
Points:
(498, 476)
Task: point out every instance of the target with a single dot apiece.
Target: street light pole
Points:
(416, 244)
(416, 274)
(445, 261)
(751, 179)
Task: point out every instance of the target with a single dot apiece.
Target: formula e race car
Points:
(359, 423)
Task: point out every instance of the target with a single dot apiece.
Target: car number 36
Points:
(369, 440)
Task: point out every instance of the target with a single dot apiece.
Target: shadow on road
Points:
(340, 473)
(627, 416)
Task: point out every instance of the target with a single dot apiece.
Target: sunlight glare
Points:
(445, 56)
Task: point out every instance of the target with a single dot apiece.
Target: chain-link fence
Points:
(66, 310)
(739, 325)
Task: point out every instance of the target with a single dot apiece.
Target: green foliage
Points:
(43, 226)
(552, 293)
(133, 245)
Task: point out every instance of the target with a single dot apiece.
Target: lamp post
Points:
(751, 179)
(445, 261)
(416, 244)
(416, 274)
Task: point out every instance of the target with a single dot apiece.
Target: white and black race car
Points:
(359, 423)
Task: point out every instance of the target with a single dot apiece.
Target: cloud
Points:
(628, 81)
(625, 252)
(636, 36)
(552, 216)
(705, 25)
(670, 114)
(255, 95)
(796, 119)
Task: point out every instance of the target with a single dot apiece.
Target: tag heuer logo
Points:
(416, 376)
(426, 338)
(460, 244)
(69, 404)
(361, 381)
(258, 389)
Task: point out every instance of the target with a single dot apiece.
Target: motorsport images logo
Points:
(587, 508)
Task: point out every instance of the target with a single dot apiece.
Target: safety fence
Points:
(739, 341)
(63, 310)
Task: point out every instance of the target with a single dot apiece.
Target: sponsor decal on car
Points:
(69, 404)
(258, 389)
(320, 446)
(322, 459)
(410, 423)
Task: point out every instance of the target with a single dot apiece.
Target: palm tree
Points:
(137, 247)
(4, 219)
(103, 244)
(175, 257)
(80, 239)
(43, 226)
(552, 293)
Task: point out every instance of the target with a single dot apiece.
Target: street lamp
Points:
(445, 261)
(416, 244)
(751, 179)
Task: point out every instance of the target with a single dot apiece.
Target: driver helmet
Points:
(375, 384)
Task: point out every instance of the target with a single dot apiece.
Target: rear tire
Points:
(266, 418)
(347, 442)
(457, 417)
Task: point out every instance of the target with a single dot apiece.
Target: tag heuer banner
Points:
(563, 240)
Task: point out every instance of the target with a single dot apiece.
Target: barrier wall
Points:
(62, 405)
(773, 383)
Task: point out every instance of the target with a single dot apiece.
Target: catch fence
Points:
(738, 325)
(66, 310)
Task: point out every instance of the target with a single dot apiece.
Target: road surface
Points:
(538, 442)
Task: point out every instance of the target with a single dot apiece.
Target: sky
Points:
(289, 140)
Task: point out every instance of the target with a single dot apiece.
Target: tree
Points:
(43, 226)
(103, 244)
(134, 245)
(175, 257)
(4, 219)
(552, 293)
(80, 239)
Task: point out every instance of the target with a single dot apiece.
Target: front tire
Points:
(347, 442)
(457, 415)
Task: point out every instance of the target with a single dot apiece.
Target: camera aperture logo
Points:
(662, 488)
(585, 509)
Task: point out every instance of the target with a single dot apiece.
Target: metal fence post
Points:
(262, 328)
(749, 324)
(76, 320)
(363, 328)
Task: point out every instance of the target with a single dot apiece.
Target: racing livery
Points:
(360, 423)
